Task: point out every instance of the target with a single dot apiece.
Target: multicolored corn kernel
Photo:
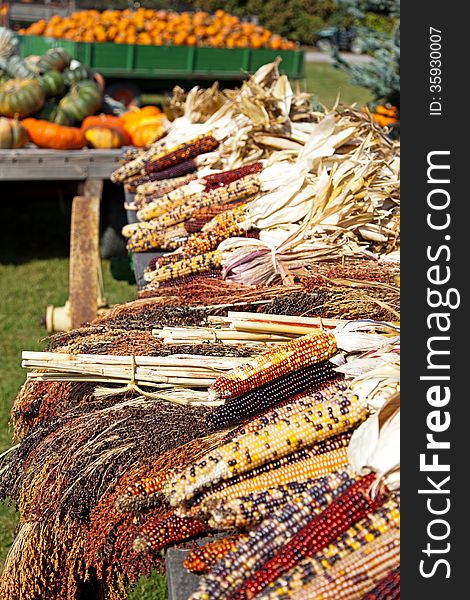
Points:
(247, 511)
(352, 576)
(188, 266)
(160, 532)
(225, 177)
(388, 588)
(151, 191)
(293, 356)
(181, 153)
(313, 462)
(221, 227)
(252, 450)
(201, 559)
(319, 532)
(266, 539)
(184, 208)
(384, 520)
(240, 408)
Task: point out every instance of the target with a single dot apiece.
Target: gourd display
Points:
(55, 59)
(145, 126)
(53, 84)
(20, 97)
(51, 135)
(160, 27)
(104, 137)
(84, 99)
(8, 42)
(16, 67)
(74, 75)
(12, 134)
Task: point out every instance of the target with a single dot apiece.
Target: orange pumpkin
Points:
(147, 26)
(50, 135)
(145, 134)
(109, 121)
(103, 137)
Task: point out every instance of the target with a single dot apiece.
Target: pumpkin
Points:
(160, 27)
(12, 134)
(16, 67)
(51, 135)
(83, 100)
(147, 133)
(20, 97)
(8, 42)
(55, 59)
(51, 112)
(109, 121)
(79, 73)
(100, 136)
(52, 83)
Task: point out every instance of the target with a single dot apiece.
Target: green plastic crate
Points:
(167, 62)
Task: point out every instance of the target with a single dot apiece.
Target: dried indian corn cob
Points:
(135, 166)
(181, 211)
(202, 558)
(222, 226)
(199, 145)
(312, 378)
(356, 574)
(317, 533)
(383, 521)
(295, 467)
(166, 202)
(226, 177)
(186, 266)
(177, 170)
(265, 540)
(149, 192)
(159, 532)
(300, 353)
(251, 450)
(247, 511)
(169, 239)
(205, 215)
(387, 588)
(312, 466)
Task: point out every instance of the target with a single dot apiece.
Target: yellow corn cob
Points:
(221, 227)
(355, 575)
(241, 188)
(189, 265)
(290, 357)
(135, 166)
(251, 450)
(165, 203)
(166, 239)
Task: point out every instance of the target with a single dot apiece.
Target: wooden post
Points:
(84, 253)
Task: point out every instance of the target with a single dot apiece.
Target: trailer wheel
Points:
(125, 92)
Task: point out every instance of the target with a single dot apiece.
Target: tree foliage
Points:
(382, 75)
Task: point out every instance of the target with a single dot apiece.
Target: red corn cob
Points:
(177, 170)
(387, 589)
(227, 177)
(160, 532)
(323, 529)
(199, 145)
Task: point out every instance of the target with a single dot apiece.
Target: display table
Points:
(90, 168)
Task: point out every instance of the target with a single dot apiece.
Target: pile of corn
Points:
(105, 483)
(314, 186)
(280, 460)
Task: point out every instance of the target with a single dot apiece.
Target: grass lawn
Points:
(34, 273)
(322, 80)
